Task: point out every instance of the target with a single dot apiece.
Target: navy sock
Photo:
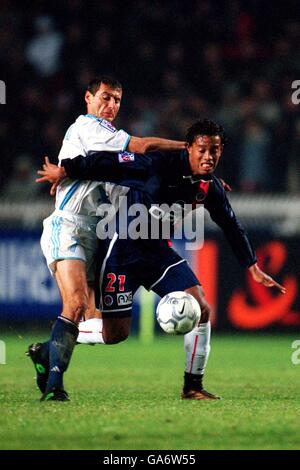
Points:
(61, 345)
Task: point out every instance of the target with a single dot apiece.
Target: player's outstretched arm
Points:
(150, 144)
(264, 279)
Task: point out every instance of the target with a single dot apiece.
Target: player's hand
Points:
(264, 279)
(225, 185)
(54, 188)
(51, 173)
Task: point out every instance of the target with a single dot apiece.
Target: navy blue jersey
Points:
(158, 178)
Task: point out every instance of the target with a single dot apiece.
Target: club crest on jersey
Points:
(125, 298)
(107, 125)
(108, 300)
(125, 157)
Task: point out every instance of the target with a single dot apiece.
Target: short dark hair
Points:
(205, 127)
(95, 83)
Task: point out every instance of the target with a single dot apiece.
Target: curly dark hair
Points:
(95, 83)
(205, 127)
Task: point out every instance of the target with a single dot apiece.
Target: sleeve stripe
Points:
(126, 143)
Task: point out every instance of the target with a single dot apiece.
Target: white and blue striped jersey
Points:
(87, 134)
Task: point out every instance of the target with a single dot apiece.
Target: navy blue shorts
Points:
(126, 267)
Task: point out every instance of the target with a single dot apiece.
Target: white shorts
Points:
(70, 236)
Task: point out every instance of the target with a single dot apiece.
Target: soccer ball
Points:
(178, 313)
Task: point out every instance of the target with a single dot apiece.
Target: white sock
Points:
(90, 331)
(197, 348)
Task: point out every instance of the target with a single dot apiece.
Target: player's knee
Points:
(115, 330)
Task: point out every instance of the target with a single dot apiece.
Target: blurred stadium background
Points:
(229, 60)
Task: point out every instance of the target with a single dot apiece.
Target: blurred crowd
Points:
(232, 61)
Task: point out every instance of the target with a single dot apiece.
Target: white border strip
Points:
(117, 310)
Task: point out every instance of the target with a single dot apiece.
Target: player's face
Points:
(204, 154)
(105, 103)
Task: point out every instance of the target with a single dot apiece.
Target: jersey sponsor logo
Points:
(125, 157)
(107, 125)
(172, 214)
(125, 298)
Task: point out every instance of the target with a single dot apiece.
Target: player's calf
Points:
(74, 308)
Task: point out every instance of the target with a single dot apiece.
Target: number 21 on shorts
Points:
(112, 279)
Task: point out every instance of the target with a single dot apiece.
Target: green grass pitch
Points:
(126, 396)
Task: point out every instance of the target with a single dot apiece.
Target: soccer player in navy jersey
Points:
(186, 177)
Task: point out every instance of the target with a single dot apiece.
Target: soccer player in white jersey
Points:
(69, 240)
